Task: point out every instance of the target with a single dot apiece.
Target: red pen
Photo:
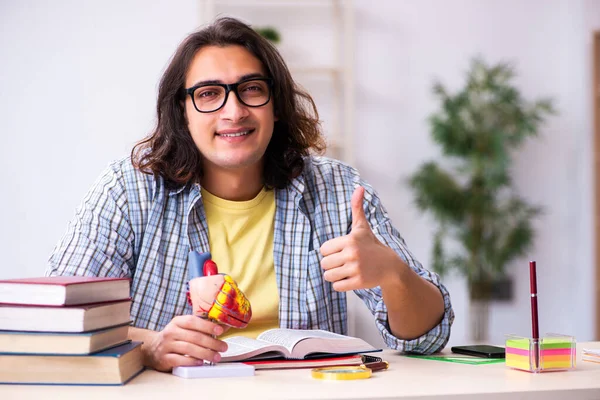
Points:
(535, 333)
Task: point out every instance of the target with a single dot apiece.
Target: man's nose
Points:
(233, 109)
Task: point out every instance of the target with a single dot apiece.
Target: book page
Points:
(242, 348)
(241, 345)
(290, 337)
(303, 343)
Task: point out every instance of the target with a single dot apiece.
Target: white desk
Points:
(407, 378)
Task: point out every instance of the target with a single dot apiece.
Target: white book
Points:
(63, 290)
(293, 344)
(595, 352)
(80, 318)
(23, 342)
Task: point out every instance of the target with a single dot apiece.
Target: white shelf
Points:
(276, 3)
(315, 70)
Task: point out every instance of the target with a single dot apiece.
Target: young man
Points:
(228, 170)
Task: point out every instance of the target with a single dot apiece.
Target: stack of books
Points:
(66, 330)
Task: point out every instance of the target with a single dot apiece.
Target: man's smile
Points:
(234, 133)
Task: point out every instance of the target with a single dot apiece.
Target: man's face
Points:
(235, 136)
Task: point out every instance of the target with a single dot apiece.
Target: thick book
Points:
(62, 342)
(80, 318)
(293, 344)
(351, 360)
(63, 290)
(114, 366)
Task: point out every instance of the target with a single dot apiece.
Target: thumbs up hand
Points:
(357, 260)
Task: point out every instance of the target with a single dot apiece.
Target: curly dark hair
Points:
(169, 150)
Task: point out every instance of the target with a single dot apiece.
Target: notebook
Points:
(79, 318)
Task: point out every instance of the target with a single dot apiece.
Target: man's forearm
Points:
(146, 336)
(414, 305)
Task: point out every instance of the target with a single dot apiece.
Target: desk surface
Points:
(407, 378)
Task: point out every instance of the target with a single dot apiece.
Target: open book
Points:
(293, 344)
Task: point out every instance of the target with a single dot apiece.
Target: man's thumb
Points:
(359, 220)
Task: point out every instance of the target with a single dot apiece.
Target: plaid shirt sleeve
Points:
(99, 240)
(437, 337)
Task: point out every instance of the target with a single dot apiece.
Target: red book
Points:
(63, 290)
(307, 363)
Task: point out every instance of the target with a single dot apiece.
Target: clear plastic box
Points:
(553, 352)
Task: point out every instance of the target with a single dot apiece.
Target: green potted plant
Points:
(270, 33)
(469, 192)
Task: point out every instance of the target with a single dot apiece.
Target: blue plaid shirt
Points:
(131, 225)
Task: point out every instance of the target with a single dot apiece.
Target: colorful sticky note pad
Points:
(555, 353)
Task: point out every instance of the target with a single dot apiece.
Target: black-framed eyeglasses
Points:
(210, 97)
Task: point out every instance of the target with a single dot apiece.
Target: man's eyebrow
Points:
(218, 81)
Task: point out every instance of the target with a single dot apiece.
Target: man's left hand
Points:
(358, 260)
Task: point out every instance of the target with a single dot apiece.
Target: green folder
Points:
(459, 359)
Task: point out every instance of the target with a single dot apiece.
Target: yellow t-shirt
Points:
(240, 234)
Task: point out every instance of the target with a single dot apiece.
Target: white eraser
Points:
(214, 371)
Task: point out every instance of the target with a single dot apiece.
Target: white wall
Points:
(402, 46)
(78, 90)
(79, 82)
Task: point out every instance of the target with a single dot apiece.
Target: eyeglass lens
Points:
(253, 93)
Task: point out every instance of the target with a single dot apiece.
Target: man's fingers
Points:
(346, 285)
(194, 323)
(199, 331)
(333, 246)
(202, 340)
(359, 220)
(225, 328)
(334, 260)
(337, 274)
(193, 351)
(177, 360)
